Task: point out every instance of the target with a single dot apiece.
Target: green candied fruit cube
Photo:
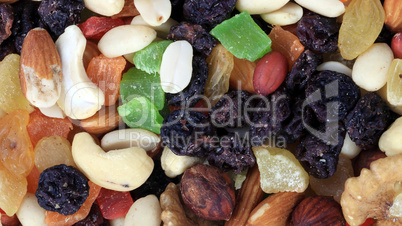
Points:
(139, 112)
(241, 36)
(137, 83)
(149, 59)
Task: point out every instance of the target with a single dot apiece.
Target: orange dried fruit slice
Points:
(91, 51)
(12, 189)
(33, 180)
(242, 75)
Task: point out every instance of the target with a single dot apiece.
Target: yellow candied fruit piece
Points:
(13, 189)
(280, 170)
(394, 83)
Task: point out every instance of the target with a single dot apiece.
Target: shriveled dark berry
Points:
(234, 153)
(7, 47)
(368, 120)
(196, 35)
(229, 111)
(94, 218)
(188, 132)
(194, 91)
(319, 153)
(294, 128)
(318, 33)
(301, 72)
(62, 189)
(59, 14)
(207, 13)
(331, 95)
(6, 21)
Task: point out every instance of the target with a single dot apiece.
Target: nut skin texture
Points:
(318, 210)
(396, 45)
(365, 158)
(208, 191)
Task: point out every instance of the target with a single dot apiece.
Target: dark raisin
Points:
(177, 9)
(368, 120)
(331, 95)
(188, 132)
(196, 35)
(294, 128)
(207, 13)
(385, 36)
(234, 153)
(62, 189)
(194, 91)
(6, 21)
(318, 151)
(59, 14)
(261, 23)
(318, 33)
(7, 47)
(94, 218)
(301, 72)
(229, 111)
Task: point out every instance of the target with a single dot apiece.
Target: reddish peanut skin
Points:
(270, 72)
(396, 45)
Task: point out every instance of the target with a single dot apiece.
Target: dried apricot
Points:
(33, 180)
(114, 204)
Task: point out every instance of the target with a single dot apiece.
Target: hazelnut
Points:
(208, 191)
(318, 210)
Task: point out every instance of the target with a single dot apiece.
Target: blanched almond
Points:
(328, 8)
(288, 14)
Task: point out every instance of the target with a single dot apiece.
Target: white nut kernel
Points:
(125, 39)
(349, 148)
(80, 98)
(119, 170)
(371, 67)
(30, 213)
(174, 165)
(126, 138)
(162, 30)
(105, 7)
(260, 6)
(328, 8)
(117, 222)
(335, 66)
(176, 67)
(144, 211)
(391, 140)
(154, 12)
(288, 14)
(53, 112)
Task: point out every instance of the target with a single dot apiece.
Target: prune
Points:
(188, 132)
(302, 70)
(62, 189)
(234, 153)
(6, 21)
(319, 153)
(195, 34)
(59, 14)
(94, 218)
(331, 95)
(207, 13)
(318, 33)
(229, 111)
(194, 91)
(368, 120)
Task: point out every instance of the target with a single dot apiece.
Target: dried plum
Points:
(94, 218)
(59, 14)
(368, 120)
(229, 111)
(319, 153)
(188, 132)
(302, 70)
(6, 21)
(62, 189)
(196, 35)
(234, 153)
(194, 91)
(331, 95)
(318, 33)
(207, 13)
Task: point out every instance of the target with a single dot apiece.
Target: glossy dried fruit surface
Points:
(96, 27)
(15, 188)
(93, 218)
(362, 23)
(114, 204)
(149, 59)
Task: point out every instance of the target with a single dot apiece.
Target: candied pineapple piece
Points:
(280, 170)
(12, 189)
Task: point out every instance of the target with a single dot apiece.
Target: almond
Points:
(105, 120)
(393, 15)
(40, 69)
(276, 209)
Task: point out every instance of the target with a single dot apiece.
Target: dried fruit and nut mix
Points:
(200, 112)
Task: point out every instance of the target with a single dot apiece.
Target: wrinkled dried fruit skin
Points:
(234, 154)
(338, 93)
(6, 21)
(207, 13)
(193, 92)
(319, 156)
(94, 218)
(368, 120)
(188, 133)
(59, 14)
(318, 33)
(62, 189)
(294, 127)
(195, 34)
(7, 47)
(208, 191)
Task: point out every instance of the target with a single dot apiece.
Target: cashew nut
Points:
(53, 112)
(105, 7)
(80, 98)
(120, 170)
